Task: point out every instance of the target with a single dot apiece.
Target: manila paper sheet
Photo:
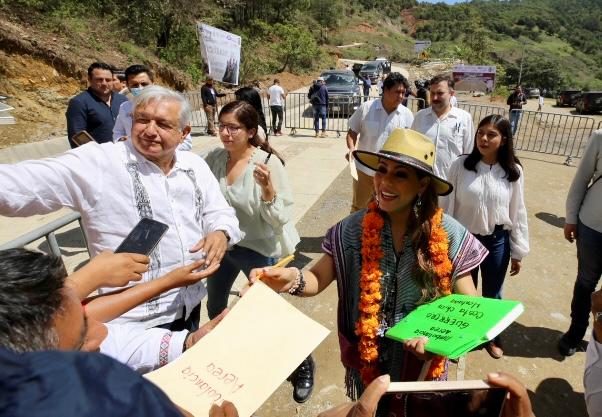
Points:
(245, 358)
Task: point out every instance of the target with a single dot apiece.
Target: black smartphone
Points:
(445, 399)
(81, 138)
(143, 238)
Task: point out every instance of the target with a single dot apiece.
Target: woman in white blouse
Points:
(252, 178)
(488, 200)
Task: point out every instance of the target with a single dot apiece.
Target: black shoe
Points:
(303, 382)
(567, 346)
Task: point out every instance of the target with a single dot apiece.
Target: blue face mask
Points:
(136, 91)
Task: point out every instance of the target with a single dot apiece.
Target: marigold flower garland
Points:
(370, 297)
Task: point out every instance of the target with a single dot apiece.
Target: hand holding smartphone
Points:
(143, 238)
(446, 398)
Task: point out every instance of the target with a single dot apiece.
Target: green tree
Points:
(296, 48)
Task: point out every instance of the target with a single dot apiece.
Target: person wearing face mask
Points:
(137, 77)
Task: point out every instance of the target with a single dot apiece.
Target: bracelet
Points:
(299, 285)
(269, 203)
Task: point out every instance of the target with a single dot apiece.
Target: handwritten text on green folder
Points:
(457, 323)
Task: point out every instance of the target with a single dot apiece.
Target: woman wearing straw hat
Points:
(399, 252)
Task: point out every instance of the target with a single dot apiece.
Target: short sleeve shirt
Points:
(453, 135)
(374, 125)
(276, 92)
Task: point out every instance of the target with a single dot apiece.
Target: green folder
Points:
(456, 324)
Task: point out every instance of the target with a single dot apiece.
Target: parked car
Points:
(343, 90)
(385, 64)
(589, 102)
(532, 92)
(372, 70)
(567, 97)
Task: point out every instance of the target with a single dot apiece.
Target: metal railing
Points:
(48, 231)
(552, 133)
(479, 111)
(298, 112)
(549, 133)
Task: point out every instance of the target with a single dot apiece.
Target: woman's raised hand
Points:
(263, 178)
(278, 279)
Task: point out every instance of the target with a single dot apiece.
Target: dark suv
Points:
(589, 102)
(567, 98)
(343, 90)
(372, 70)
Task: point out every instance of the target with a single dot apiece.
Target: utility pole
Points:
(522, 57)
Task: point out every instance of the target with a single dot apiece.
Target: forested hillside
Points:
(560, 40)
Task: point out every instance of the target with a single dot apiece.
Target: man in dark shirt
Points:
(209, 96)
(516, 101)
(318, 97)
(95, 109)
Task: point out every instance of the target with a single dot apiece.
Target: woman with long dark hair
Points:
(488, 200)
(387, 259)
(251, 176)
(251, 96)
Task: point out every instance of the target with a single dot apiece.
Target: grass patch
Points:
(134, 53)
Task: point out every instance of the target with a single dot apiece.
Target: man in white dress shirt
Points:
(369, 127)
(450, 128)
(137, 77)
(113, 186)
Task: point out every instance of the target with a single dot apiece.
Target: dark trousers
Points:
(366, 93)
(494, 266)
(192, 324)
(589, 270)
(320, 111)
(219, 284)
(277, 114)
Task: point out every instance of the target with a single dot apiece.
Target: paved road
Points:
(321, 187)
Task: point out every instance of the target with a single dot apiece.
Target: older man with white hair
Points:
(113, 186)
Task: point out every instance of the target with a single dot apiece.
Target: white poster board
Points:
(474, 77)
(221, 52)
(245, 358)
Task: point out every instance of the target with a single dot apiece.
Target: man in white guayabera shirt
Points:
(113, 186)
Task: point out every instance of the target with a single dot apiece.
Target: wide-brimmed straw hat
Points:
(407, 147)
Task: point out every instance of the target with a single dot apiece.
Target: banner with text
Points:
(221, 52)
(474, 77)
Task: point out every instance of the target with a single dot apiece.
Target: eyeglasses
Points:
(232, 130)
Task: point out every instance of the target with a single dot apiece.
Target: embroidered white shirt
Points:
(453, 135)
(373, 125)
(123, 126)
(483, 199)
(143, 350)
(98, 182)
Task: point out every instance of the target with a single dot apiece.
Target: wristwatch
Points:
(225, 234)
